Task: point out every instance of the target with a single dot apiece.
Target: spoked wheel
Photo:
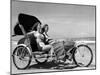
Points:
(83, 56)
(41, 58)
(21, 57)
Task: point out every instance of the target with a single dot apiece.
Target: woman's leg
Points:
(46, 47)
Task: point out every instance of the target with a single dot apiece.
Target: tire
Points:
(76, 57)
(19, 52)
(38, 60)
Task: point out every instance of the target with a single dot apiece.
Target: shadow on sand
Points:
(52, 65)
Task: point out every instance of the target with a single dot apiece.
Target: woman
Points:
(47, 39)
(37, 34)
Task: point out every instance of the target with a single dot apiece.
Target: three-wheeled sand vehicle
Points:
(23, 54)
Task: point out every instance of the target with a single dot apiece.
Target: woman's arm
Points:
(42, 46)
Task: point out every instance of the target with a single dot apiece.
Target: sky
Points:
(64, 20)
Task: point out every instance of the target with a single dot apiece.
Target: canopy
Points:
(27, 21)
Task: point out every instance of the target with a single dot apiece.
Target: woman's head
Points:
(36, 26)
(39, 29)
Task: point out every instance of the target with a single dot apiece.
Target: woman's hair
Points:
(35, 26)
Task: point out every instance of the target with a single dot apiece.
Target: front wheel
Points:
(83, 56)
(21, 57)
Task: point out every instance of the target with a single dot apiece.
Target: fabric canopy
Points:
(27, 21)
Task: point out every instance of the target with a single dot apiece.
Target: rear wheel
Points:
(40, 57)
(21, 57)
(83, 56)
